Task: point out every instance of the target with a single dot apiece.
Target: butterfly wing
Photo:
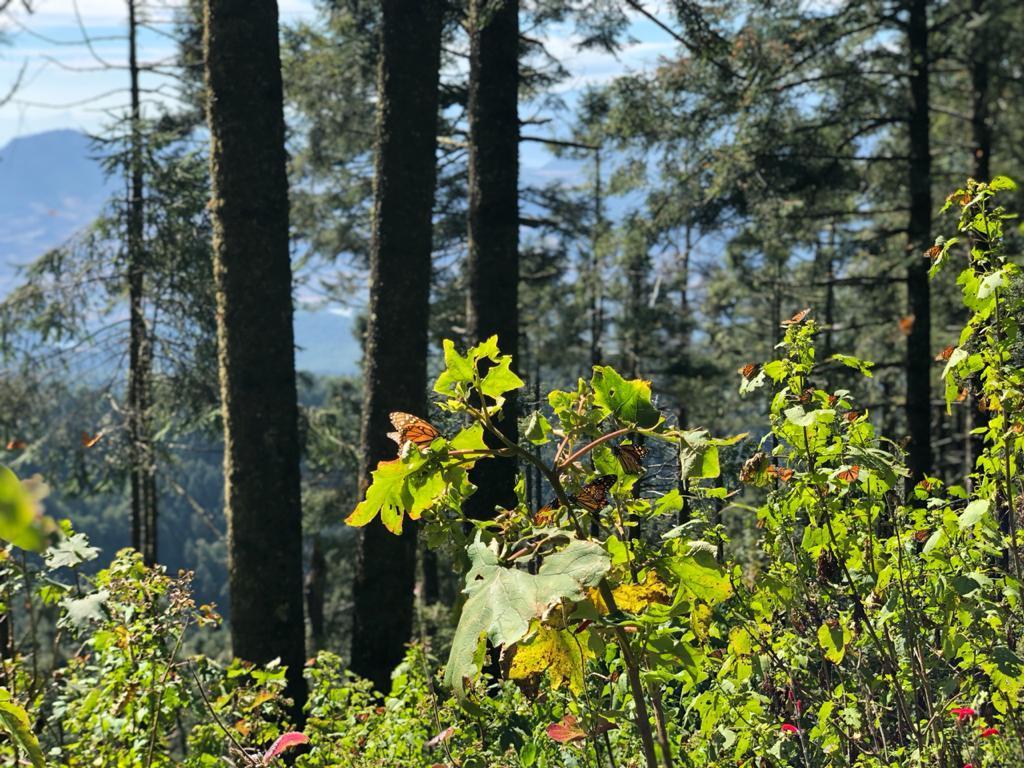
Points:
(631, 457)
(412, 429)
(594, 495)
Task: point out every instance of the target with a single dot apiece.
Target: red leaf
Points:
(442, 737)
(566, 731)
(284, 742)
(789, 728)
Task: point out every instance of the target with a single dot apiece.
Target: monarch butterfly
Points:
(16, 445)
(747, 371)
(545, 514)
(849, 475)
(594, 494)
(798, 317)
(412, 429)
(631, 456)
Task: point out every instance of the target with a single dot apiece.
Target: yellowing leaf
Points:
(502, 601)
(635, 598)
(557, 653)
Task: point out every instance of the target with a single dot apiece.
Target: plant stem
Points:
(636, 686)
(560, 467)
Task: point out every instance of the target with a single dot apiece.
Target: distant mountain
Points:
(52, 185)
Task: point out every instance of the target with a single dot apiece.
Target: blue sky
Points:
(66, 85)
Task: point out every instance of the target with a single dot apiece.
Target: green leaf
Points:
(702, 575)
(470, 438)
(1001, 183)
(627, 401)
(71, 551)
(458, 370)
(833, 640)
(79, 612)
(698, 455)
(502, 601)
(537, 429)
(797, 415)
(973, 513)
(14, 719)
(18, 516)
(990, 283)
(398, 487)
(500, 379)
(854, 362)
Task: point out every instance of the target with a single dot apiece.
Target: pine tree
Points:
(252, 271)
(395, 358)
(493, 263)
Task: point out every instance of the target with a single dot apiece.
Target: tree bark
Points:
(395, 357)
(493, 263)
(142, 473)
(316, 591)
(919, 356)
(252, 272)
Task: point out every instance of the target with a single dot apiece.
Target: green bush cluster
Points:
(879, 623)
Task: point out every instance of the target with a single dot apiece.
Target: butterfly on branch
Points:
(799, 317)
(631, 456)
(594, 495)
(412, 429)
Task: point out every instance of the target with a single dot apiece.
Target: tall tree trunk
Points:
(919, 356)
(395, 361)
(493, 266)
(316, 589)
(252, 270)
(142, 473)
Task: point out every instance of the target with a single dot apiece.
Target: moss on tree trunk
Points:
(395, 356)
(253, 276)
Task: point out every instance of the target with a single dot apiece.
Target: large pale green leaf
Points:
(702, 575)
(628, 401)
(14, 720)
(502, 601)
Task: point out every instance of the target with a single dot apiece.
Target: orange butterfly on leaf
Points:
(850, 475)
(88, 441)
(631, 457)
(747, 371)
(785, 474)
(921, 534)
(945, 354)
(594, 495)
(412, 429)
(798, 317)
(545, 515)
